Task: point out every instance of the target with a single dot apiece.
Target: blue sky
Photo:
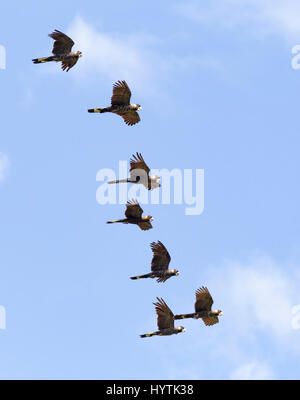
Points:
(218, 93)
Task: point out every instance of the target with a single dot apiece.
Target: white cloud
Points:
(253, 371)
(115, 56)
(256, 331)
(259, 296)
(255, 338)
(4, 164)
(257, 299)
(268, 15)
(138, 57)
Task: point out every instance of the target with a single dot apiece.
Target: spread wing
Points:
(145, 226)
(130, 117)
(204, 300)
(133, 209)
(68, 64)
(210, 321)
(62, 43)
(161, 257)
(165, 317)
(121, 94)
(137, 162)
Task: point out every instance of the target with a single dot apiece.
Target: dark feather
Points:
(133, 209)
(204, 301)
(161, 257)
(121, 94)
(165, 317)
(62, 43)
